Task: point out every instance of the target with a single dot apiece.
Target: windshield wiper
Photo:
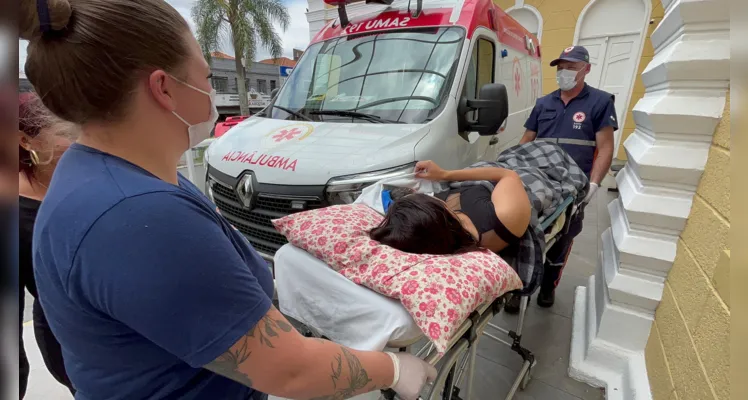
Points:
(292, 112)
(356, 114)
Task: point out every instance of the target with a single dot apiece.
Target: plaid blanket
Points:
(550, 175)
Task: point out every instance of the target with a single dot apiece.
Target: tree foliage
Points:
(246, 24)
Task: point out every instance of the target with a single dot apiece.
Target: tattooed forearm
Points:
(268, 328)
(228, 364)
(358, 378)
(337, 369)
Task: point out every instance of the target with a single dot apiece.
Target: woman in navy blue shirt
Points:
(151, 293)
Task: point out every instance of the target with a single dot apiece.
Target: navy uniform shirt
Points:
(574, 126)
(143, 282)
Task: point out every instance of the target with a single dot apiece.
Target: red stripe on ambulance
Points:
(474, 14)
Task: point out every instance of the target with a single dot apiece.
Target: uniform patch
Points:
(579, 117)
(568, 49)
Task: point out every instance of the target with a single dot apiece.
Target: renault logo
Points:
(245, 190)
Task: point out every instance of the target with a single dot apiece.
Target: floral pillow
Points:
(439, 292)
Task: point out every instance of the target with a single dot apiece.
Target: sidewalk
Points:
(41, 384)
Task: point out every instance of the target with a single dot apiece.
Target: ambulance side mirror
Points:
(274, 93)
(492, 105)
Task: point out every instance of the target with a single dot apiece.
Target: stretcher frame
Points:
(459, 360)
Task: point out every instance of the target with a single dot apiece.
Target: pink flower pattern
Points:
(439, 292)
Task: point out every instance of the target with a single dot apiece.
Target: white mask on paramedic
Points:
(566, 79)
(199, 132)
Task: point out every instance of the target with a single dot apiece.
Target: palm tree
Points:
(248, 23)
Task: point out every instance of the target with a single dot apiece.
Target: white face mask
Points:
(199, 132)
(566, 79)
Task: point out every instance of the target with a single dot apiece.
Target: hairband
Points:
(42, 9)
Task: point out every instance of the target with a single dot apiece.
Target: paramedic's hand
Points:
(411, 375)
(593, 189)
(429, 170)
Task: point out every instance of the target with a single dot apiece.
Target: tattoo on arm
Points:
(267, 328)
(358, 378)
(228, 363)
(337, 369)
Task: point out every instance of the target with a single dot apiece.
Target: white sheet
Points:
(352, 315)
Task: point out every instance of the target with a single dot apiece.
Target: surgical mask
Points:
(199, 132)
(566, 79)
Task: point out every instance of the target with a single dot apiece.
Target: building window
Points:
(262, 86)
(220, 84)
(272, 85)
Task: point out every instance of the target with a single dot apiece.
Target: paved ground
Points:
(547, 333)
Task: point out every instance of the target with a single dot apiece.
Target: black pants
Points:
(48, 346)
(558, 254)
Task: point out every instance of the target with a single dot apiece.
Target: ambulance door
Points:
(481, 70)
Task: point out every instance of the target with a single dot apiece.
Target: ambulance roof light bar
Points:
(343, 15)
(419, 8)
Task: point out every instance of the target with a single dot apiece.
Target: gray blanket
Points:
(550, 175)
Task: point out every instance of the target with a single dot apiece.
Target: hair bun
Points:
(30, 24)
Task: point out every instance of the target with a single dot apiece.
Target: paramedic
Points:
(150, 292)
(581, 119)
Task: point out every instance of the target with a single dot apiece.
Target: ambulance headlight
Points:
(346, 189)
(209, 187)
(208, 179)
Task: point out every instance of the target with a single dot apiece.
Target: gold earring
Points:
(34, 157)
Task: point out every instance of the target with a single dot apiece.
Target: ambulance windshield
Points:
(399, 76)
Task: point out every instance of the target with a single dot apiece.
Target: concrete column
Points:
(686, 85)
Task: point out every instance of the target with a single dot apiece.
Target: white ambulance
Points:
(447, 80)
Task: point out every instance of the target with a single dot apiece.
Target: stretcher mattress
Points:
(349, 314)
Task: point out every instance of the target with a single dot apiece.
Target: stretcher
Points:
(330, 306)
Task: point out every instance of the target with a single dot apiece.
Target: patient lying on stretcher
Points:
(458, 220)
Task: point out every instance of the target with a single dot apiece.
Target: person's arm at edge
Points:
(531, 125)
(509, 197)
(528, 137)
(275, 359)
(601, 165)
(492, 174)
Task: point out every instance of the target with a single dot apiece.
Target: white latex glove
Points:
(593, 189)
(411, 374)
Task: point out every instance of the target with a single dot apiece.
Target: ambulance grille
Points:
(255, 223)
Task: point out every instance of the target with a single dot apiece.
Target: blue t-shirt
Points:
(142, 281)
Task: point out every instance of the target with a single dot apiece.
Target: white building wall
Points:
(686, 85)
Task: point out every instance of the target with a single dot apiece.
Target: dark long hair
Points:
(32, 118)
(421, 224)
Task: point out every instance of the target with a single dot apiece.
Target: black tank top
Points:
(475, 202)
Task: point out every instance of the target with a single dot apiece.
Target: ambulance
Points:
(377, 90)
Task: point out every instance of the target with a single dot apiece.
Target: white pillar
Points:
(686, 85)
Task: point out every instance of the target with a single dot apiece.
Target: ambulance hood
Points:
(312, 153)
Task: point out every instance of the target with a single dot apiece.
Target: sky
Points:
(297, 35)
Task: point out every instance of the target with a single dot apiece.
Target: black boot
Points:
(512, 306)
(546, 297)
